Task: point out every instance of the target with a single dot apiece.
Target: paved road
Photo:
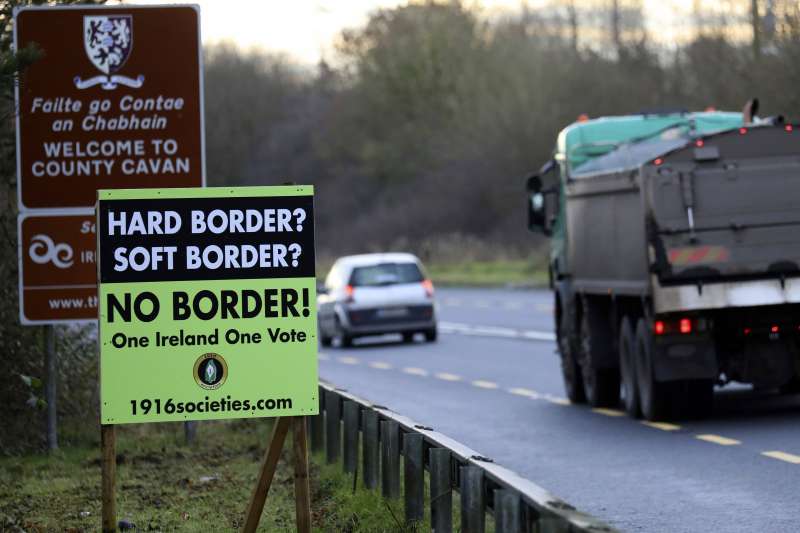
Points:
(493, 383)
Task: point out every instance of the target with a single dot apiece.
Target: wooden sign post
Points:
(269, 464)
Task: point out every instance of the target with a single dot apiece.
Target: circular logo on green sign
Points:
(210, 371)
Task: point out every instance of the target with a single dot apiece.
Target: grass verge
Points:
(165, 485)
(518, 272)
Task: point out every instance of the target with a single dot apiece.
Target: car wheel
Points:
(325, 340)
(627, 368)
(408, 337)
(653, 396)
(430, 335)
(345, 340)
(600, 384)
(570, 370)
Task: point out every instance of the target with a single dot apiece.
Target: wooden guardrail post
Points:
(333, 432)
(414, 481)
(350, 436)
(316, 426)
(507, 518)
(441, 491)
(390, 459)
(371, 442)
(473, 512)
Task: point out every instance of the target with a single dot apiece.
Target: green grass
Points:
(489, 273)
(164, 485)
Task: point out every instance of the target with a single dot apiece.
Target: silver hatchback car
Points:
(376, 294)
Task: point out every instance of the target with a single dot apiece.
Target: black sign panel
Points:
(206, 238)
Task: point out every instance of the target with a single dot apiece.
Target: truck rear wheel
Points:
(653, 396)
(600, 383)
(573, 381)
(627, 368)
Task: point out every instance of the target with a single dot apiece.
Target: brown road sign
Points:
(58, 270)
(115, 101)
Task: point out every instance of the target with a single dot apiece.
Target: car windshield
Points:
(385, 274)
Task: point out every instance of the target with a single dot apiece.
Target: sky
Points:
(306, 29)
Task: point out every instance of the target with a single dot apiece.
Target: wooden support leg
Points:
(302, 492)
(108, 461)
(265, 475)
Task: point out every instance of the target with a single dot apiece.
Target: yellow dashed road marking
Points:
(484, 384)
(448, 377)
(348, 360)
(783, 456)
(557, 400)
(663, 426)
(414, 371)
(380, 365)
(716, 439)
(608, 412)
(532, 394)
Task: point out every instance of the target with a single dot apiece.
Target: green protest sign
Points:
(206, 303)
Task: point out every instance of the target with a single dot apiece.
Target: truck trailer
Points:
(674, 257)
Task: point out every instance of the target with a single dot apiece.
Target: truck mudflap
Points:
(678, 358)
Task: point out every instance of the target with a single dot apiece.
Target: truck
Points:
(674, 257)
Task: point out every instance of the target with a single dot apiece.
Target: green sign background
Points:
(271, 372)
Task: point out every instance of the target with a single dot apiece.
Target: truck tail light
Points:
(775, 329)
(349, 292)
(428, 286)
(682, 326)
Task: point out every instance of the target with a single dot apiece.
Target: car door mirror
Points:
(321, 288)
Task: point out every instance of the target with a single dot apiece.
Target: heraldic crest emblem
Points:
(108, 41)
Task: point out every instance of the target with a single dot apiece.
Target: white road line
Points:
(663, 426)
(380, 365)
(482, 304)
(783, 456)
(447, 377)
(414, 371)
(514, 305)
(348, 360)
(323, 356)
(495, 331)
(519, 391)
(717, 439)
(484, 384)
(539, 335)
